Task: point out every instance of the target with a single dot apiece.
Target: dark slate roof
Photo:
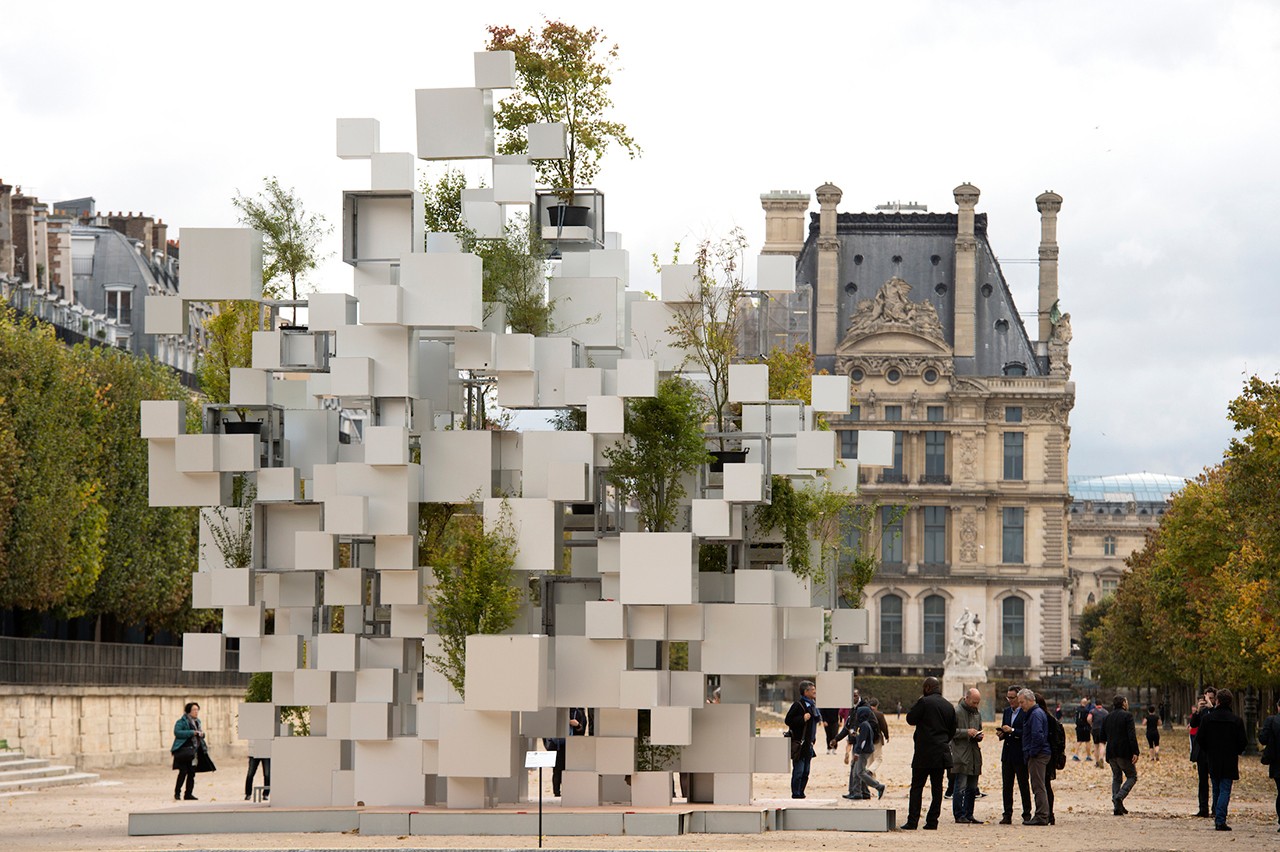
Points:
(920, 248)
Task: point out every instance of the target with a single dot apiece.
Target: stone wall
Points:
(101, 727)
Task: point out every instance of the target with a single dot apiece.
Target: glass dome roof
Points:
(1141, 487)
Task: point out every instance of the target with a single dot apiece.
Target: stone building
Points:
(1108, 520)
(913, 306)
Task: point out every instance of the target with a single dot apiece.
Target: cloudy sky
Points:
(1156, 121)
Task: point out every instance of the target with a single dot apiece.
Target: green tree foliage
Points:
(663, 443)
(473, 591)
(150, 552)
(562, 74)
(442, 202)
(706, 329)
(291, 236)
(230, 344)
(54, 539)
(815, 517)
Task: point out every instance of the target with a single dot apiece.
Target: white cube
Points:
(345, 514)
(532, 521)
(330, 311)
(637, 377)
(513, 183)
(442, 290)
(547, 141)
(605, 620)
(386, 445)
(606, 415)
(358, 138)
(753, 587)
(875, 448)
(744, 483)
(203, 652)
(315, 551)
(507, 672)
(351, 376)
(588, 671)
(776, 273)
(790, 590)
(711, 518)
(590, 310)
(684, 623)
(515, 352)
(816, 450)
(165, 315)
(580, 383)
(163, 418)
(196, 453)
(344, 587)
(278, 484)
(457, 465)
(337, 652)
(221, 263)
(740, 640)
(645, 689)
(380, 304)
(831, 393)
(392, 171)
(482, 214)
(454, 124)
(679, 282)
(748, 382)
(567, 481)
(657, 568)
(475, 350)
(850, 626)
(671, 725)
(495, 69)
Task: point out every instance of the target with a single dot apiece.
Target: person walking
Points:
(935, 722)
(1199, 715)
(1035, 753)
(1084, 732)
(882, 738)
(1012, 765)
(1120, 737)
(1153, 732)
(1097, 716)
(1222, 740)
(860, 727)
(1269, 736)
(190, 753)
(966, 757)
(802, 725)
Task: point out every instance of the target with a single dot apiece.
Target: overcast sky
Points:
(1156, 121)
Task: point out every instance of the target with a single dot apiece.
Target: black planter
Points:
(568, 215)
(723, 457)
(582, 508)
(242, 427)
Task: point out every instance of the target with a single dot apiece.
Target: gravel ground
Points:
(96, 817)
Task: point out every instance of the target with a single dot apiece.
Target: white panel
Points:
(875, 448)
(657, 568)
(380, 304)
(711, 518)
(475, 743)
(609, 263)
(475, 350)
(776, 273)
(605, 415)
(454, 124)
(850, 627)
(442, 291)
(590, 310)
(588, 671)
(392, 172)
(679, 282)
(816, 450)
(203, 652)
(221, 263)
(495, 69)
(358, 138)
(748, 382)
(605, 620)
(513, 183)
(831, 393)
(579, 383)
(507, 673)
(753, 587)
(547, 141)
(457, 465)
(648, 336)
(330, 311)
(532, 520)
(740, 639)
(744, 483)
(163, 418)
(165, 315)
(637, 377)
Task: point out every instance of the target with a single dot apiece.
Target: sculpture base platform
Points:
(957, 679)
(515, 820)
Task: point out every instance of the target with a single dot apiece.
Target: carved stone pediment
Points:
(897, 323)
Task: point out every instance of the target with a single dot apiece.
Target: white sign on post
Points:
(536, 759)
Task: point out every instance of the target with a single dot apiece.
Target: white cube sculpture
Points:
(165, 315)
(875, 448)
(221, 263)
(454, 124)
(748, 382)
(358, 138)
(657, 568)
(547, 141)
(831, 394)
(776, 273)
(495, 69)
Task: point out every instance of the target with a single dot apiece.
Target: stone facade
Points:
(107, 727)
(914, 308)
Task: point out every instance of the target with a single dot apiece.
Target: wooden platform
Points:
(512, 820)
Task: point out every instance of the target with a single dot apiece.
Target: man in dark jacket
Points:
(1204, 708)
(1222, 740)
(1120, 736)
(935, 721)
(802, 725)
(1036, 750)
(1269, 736)
(1013, 767)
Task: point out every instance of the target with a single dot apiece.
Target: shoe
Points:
(177, 797)
(928, 827)
(879, 792)
(190, 798)
(797, 795)
(1052, 820)
(1036, 822)
(850, 796)
(1221, 826)
(973, 821)
(1006, 820)
(1089, 759)
(1202, 813)
(946, 795)
(909, 826)
(979, 795)
(1076, 758)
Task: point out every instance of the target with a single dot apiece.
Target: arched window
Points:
(935, 625)
(1109, 545)
(1013, 626)
(891, 624)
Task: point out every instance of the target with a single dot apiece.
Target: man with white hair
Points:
(1035, 751)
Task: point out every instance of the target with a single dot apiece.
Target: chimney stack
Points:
(784, 215)
(1048, 203)
(966, 195)
(827, 335)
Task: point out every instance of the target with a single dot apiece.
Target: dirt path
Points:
(95, 817)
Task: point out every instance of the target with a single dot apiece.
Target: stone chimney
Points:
(827, 335)
(784, 219)
(1048, 203)
(6, 229)
(966, 195)
(160, 233)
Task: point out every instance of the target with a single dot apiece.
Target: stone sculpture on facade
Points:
(963, 666)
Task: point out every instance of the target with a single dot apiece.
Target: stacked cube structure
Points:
(335, 518)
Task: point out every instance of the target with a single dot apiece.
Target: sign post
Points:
(539, 759)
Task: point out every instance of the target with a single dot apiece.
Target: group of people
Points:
(948, 741)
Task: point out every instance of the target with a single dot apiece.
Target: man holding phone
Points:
(1013, 766)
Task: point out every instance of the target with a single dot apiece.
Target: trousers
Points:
(1123, 776)
(918, 777)
(1010, 772)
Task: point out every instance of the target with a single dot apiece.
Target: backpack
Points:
(1057, 744)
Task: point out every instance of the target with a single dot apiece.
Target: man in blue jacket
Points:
(1035, 753)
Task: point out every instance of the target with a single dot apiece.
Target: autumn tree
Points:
(562, 74)
(291, 236)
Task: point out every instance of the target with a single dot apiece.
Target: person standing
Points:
(188, 746)
(1222, 740)
(966, 757)
(1012, 766)
(1120, 737)
(802, 725)
(1269, 736)
(1199, 715)
(577, 727)
(935, 722)
(1035, 753)
(1057, 755)
(1084, 734)
(1153, 732)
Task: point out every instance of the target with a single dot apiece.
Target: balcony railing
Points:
(1012, 661)
(847, 656)
(935, 479)
(53, 662)
(888, 477)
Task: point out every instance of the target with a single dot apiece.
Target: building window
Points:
(935, 625)
(120, 306)
(1109, 545)
(935, 456)
(891, 535)
(930, 375)
(891, 624)
(1013, 627)
(893, 413)
(1013, 414)
(1013, 456)
(1070, 545)
(857, 374)
(935, 535)
(1015, 368)
(1012, 535)
(933, 413)
(848, 443)
(1109, 585)
(893, 375)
